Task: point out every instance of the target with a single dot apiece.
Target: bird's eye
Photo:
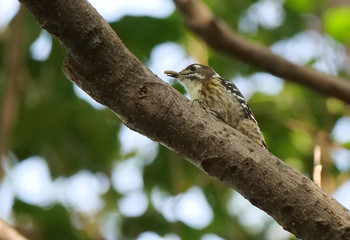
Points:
(193, 68)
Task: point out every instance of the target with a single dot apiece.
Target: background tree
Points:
(51, 123)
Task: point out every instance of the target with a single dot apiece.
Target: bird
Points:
(219, 97)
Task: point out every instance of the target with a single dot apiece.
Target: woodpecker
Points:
(220, 98)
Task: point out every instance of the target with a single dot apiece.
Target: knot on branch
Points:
(143, 91)
(214, 166)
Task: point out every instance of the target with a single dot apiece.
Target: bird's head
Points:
(193, 77)
(193, 73)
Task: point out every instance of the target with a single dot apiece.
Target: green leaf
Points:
(141, 34)
(301, 6)
(337, 23)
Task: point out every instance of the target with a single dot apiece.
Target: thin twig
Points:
(317, 165)
(13, 85)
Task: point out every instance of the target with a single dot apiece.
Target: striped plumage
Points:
(219, 97)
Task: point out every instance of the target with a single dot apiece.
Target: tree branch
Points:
(13, 85)
(220, 37)
(9, 233)
(99, 63)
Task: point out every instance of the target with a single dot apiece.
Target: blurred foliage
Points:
(71, 135)
(337, 23)
(142, 41)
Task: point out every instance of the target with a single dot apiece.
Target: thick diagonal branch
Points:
(100, 64)
(220, 37)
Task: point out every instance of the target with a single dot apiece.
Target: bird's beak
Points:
(172, 74)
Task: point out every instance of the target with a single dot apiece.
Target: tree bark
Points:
(220, 37)
(99, 63)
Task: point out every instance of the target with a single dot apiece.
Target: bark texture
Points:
(220, 37)
(98, 62)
